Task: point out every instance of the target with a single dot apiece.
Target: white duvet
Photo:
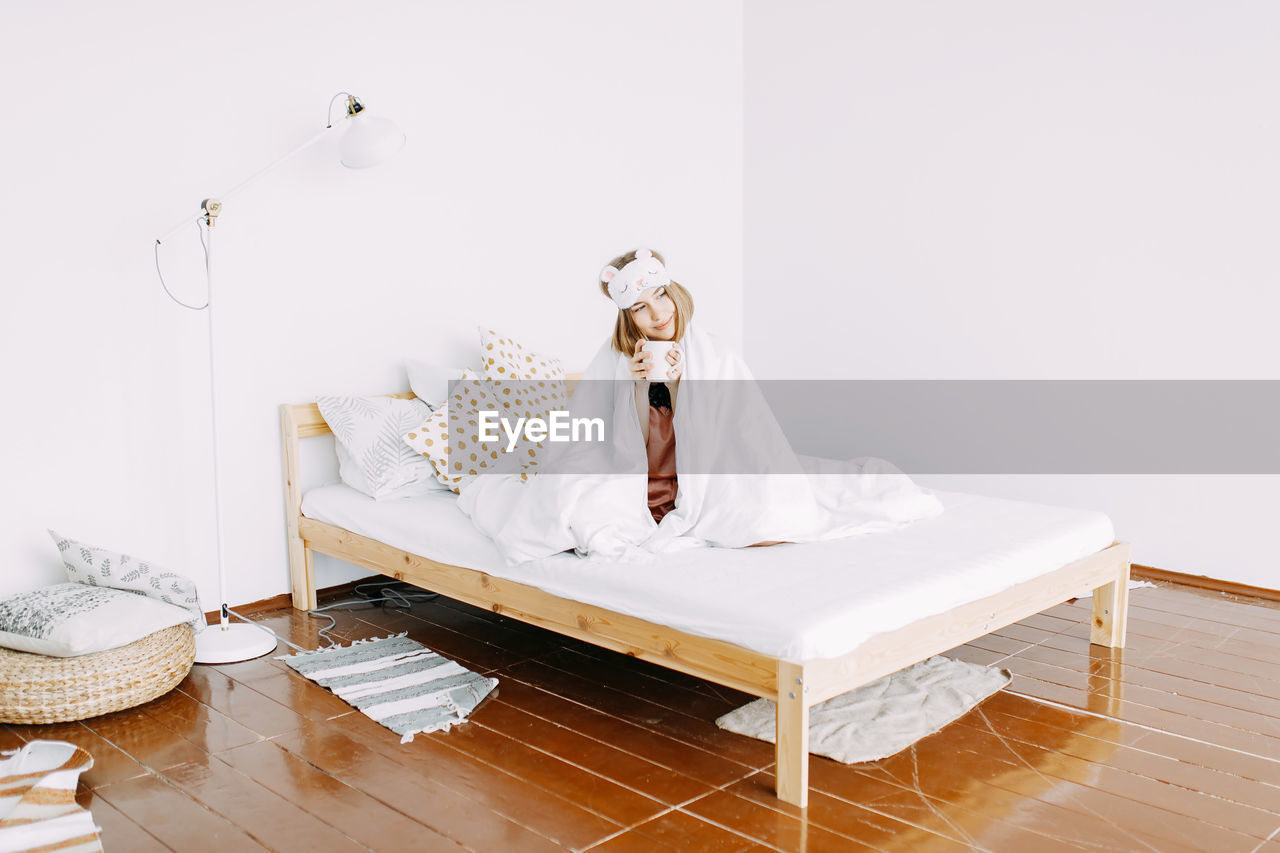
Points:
(739, 480)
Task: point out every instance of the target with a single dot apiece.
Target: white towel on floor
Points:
(879, 719)
(38, 808)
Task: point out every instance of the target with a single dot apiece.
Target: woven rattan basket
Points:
(39, 689)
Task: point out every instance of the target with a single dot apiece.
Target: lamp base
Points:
(232, 642)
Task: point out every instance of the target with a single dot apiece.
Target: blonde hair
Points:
(625, 332)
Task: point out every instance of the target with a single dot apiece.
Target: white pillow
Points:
(371, 456)
(100, 567)
(70, 619)
(429, 381)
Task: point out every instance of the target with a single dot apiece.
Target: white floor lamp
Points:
(366, 141)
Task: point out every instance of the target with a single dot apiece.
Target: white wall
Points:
(543, 139)
(1000, 189)
(978, 190)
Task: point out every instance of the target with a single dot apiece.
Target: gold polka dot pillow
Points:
(448, 438)
(504, 358)
(431, 438)
(541, 388)
(459, 450)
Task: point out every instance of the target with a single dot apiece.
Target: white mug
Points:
(658, 364)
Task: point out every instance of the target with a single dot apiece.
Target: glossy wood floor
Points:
(1173, 745)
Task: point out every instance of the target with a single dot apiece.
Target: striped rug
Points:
(397, 682)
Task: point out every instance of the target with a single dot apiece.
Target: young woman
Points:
(740, 483)
(651, 307)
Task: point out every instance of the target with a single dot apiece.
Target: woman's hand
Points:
(676, 370)
(640, 363)
(641, 360)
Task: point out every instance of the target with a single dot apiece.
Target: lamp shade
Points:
(369, 140)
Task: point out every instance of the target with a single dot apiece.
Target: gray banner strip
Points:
(983, 426)
(1038, 426)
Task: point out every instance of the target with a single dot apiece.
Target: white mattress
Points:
(799, 602)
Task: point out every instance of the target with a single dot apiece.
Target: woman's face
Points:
(655, 314)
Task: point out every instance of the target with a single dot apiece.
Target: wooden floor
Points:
(1174, 745)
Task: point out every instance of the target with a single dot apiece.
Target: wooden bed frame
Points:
(795, 686)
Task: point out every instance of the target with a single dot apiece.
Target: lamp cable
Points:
(165, 285)
(396, 594)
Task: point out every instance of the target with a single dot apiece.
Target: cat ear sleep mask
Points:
(625, 284)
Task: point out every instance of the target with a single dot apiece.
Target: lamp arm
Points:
(353, 106)
(258, 174)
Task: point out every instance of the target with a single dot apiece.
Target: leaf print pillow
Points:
(372, 459)
(70, 619)
(99, 567)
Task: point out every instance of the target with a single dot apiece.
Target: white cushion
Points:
(70, 619)
(372, 458)
(430, 381)
(100, 567)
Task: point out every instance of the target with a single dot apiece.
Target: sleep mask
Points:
(625, 284)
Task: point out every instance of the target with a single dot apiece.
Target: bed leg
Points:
(302, 575)
(1111, 609)
(792, 735)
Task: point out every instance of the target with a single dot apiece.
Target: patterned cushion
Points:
(504, 358)
(70, 619)
(450, 437)
(431, 437)
(100, 567)
(371, 456)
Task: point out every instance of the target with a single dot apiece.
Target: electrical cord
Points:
(167, 291)
(396, 594)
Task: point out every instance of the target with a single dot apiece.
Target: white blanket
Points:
(739, 480)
